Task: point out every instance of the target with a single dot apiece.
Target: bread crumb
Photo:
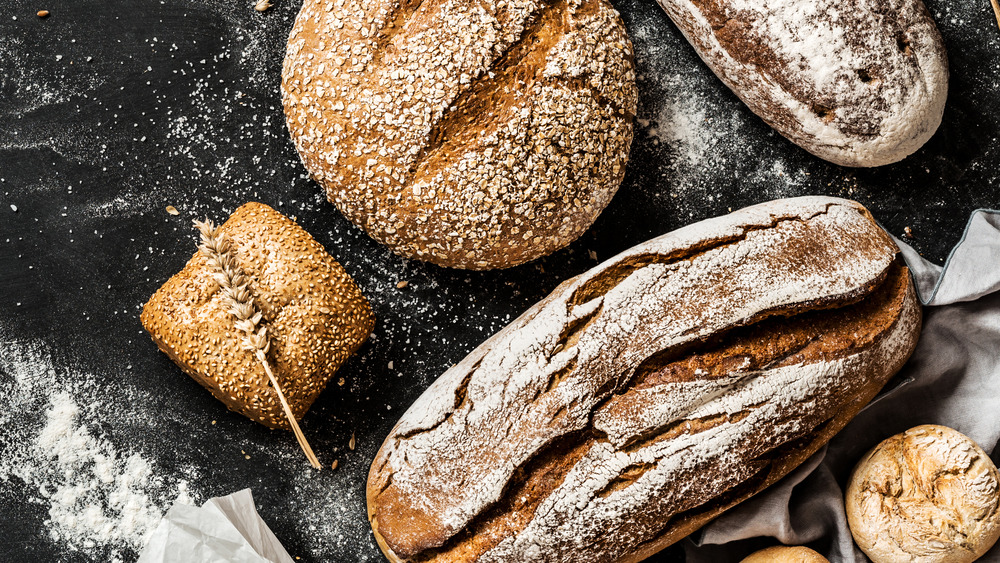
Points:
(262, 5)
(402, 284)
(334, 465)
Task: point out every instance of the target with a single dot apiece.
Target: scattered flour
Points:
(96, 494)
(100, 499)
(683, 126)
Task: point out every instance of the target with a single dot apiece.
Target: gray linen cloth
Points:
(953, 379)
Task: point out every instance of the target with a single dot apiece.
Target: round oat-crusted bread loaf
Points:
(930, 495)
(468, 134)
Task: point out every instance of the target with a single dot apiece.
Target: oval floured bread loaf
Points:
(469, 134)
(649, 394)
(856, 82)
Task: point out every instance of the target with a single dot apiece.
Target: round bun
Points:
(468, 134)
(785, 554)
(929, 494)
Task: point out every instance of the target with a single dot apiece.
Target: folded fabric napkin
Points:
(952, 379)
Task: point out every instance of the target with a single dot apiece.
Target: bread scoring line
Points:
(546, 535)
(547, 320)
(574, 312)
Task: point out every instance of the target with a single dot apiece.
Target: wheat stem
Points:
(235, 287)
(303, 443)
(996, 10)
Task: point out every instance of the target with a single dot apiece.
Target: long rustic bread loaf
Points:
(856, 82)
(469, 134)
(649, 394)
(315, 315)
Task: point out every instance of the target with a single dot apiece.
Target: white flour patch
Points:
(96, 494)
(698, 144)
(684, 126)
(100, 499)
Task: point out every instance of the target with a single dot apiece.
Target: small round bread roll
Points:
(929, 494)
(469, 134)
(785, 554)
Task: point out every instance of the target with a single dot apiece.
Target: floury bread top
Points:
(650, 393)
(858, 83)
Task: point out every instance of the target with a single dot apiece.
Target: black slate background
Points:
(112, 110)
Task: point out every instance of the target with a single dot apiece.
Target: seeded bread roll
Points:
(930, 494)
(785, 554)
(468, 134)
(314, 313)
(646, 396)
(855, 82)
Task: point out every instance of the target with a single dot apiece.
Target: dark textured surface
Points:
(110, 111)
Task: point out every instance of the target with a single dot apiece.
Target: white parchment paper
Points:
(223, 530)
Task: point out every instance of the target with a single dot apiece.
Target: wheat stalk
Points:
(996, 10)
(234, 285)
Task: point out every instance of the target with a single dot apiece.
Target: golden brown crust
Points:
(785, 554)
(545, 444)
(467, 134)
(314, 313)
(785, 459)
(927, 494)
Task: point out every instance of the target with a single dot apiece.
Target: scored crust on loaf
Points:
(315, 316)
(646, 396)
(855, 82)
(469, 134)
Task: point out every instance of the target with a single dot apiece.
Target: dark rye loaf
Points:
(469, 134)
(649, 394)
(855, 82)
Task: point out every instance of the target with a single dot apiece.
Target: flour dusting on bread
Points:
(581, 367)
(856, 83)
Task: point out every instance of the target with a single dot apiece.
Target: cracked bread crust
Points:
(858, 83)
(929, 494)
(468, 134)
(316, 317)
(646, 396)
